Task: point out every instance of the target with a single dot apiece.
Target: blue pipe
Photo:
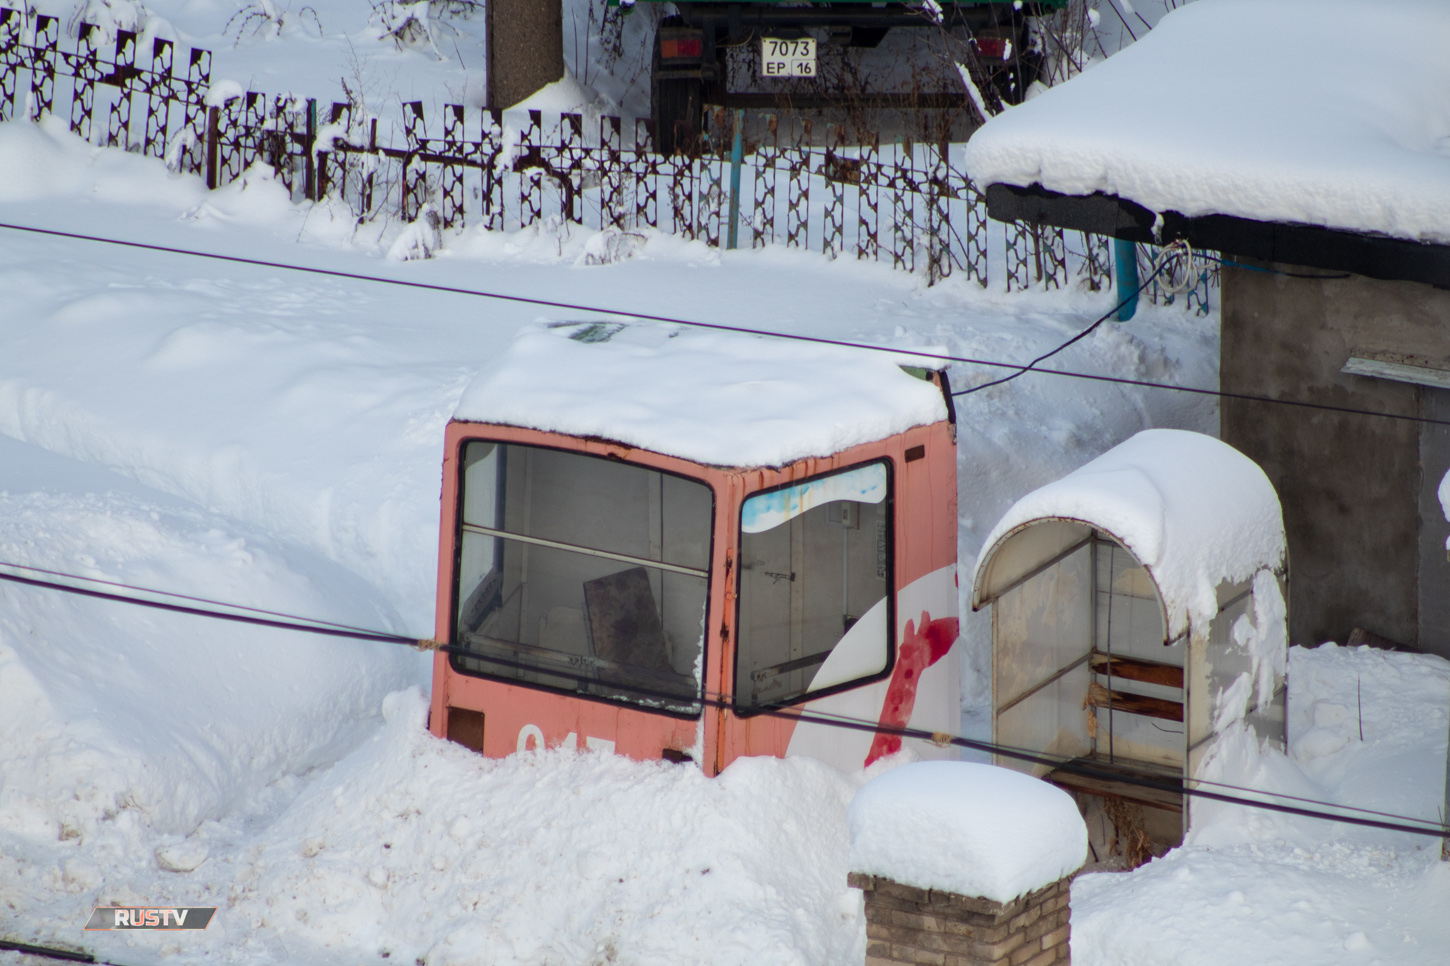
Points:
(737, 154)
(1125, 256)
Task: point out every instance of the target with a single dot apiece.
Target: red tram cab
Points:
(665, 542)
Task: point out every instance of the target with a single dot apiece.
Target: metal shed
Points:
(1138, 618)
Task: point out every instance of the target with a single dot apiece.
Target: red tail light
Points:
(681, 48)
(992, 48)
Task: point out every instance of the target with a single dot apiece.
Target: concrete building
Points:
(1330, 206)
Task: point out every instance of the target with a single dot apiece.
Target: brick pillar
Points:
(907, 926)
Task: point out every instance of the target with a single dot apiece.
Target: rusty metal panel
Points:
(611, 173)
(798, 189)
(157, 84)
(12, 59)
(646, 175)
(867, 215)
(454, 152)
(118, 127)
(42, 65)
(767, 165)
(85, 71)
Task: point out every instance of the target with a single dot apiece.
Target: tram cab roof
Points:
(1194, 511)
(715, 397)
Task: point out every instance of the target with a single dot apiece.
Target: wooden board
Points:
(1101, 697)
(1106, 786)
(1136, 669)
(624, 622)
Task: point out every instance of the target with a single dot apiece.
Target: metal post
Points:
(1125, 254)
(309, 184)
(213, 136)
(737, 154)
(1445, 813)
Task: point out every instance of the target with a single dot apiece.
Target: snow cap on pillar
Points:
(972, 829)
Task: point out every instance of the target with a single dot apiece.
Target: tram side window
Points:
(583, 574)
(815, 576)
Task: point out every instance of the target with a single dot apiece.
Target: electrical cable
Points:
(1070, 766)
(726, 702)
(168, 593)
(293, 624)
(50, 952)
(282, 621)
(1340, 276)
(1157, 269)
(719, 327)
(1167, 260)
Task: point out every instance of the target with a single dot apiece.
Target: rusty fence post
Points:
(213, 136)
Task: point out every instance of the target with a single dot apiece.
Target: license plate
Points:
(787, 57)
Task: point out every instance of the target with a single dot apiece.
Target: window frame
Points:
(457, 652)
(741, 710)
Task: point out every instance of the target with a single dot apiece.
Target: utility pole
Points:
(525, 48)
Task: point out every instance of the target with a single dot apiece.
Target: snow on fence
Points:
(907, 202)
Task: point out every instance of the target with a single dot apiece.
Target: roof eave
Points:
(1326, 249)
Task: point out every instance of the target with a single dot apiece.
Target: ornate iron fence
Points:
(909, 203)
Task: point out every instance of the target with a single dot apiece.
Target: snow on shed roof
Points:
(720, 398)
(1195, 512)
(1329, 113)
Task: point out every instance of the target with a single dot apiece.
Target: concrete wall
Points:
(525, 48)
(1366, 535)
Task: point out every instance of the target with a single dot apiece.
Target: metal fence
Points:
(907, 203)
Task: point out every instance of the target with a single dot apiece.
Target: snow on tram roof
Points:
(1194, 511)
(1317, 112)
(719, 398)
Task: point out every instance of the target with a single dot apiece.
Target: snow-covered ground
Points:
(1258, 887)
(273, 439)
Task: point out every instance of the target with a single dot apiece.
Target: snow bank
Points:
(417, 849)
(1277, 110)
(1194, 511)
(45, 160)
(1366, 728)
(714, 397)
(116, 717)
(976, 830)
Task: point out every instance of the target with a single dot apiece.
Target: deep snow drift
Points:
(286, 432)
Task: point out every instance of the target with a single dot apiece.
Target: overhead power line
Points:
(717, 326)
(281, 621)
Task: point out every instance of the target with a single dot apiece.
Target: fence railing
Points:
(907, 203)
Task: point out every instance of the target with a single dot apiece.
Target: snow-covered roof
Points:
(1329, 113)
(968, 828)
(1194, 511)
(720, 398)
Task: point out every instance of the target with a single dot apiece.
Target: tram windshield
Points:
(815, 570)
(582, 574)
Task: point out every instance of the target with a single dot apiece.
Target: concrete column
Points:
(1366, 535)
(525, 48)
